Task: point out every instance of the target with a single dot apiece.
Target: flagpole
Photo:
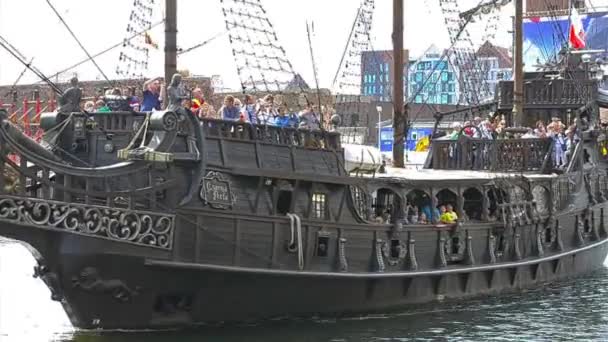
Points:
(518, 68)
(170, 39)
(399, 119)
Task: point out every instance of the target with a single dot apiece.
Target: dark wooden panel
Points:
(216, 241)
(256, 243)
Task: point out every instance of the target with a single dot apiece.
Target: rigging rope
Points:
(103, 52)
(135, 55)
(78, 41)
(19, 57)
(261, 61)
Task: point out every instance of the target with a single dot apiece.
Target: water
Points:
(571, 310)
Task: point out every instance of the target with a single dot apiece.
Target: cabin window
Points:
(455, 245)
(419, 206)
(587, 225)
(473, 203)
(322, 245)
(395, 248)
(319, 205)
(549, 235)
(386, 205)
(447, 198)
(500, 243)
(284, 202)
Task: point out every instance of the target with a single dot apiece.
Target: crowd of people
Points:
(444, 214)
(265, 112)
(262, 111)
(564, 138)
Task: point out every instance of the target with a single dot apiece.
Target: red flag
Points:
(577, 31)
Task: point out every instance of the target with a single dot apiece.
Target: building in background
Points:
(433, 80)
(496, 63)
(377, 74)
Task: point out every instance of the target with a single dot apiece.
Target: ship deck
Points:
(405, 174)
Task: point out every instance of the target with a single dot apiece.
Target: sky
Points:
(34, 29)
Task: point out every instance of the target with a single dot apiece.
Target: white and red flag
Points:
(577, 31)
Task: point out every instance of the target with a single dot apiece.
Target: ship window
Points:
(500, 243)
(455, 245)
(319, 205)
(386, 205)
(447, 197)
(322, 246)
(587, 225)
(395, 248)
(284, 202)
(548, 235)
(419, 203)
(473, 203)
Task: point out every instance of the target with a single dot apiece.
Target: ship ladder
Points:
(295, 224)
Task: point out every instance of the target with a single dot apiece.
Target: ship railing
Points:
(549, 93)
(509, 155)
(271, 134)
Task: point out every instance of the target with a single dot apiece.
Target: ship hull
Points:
(111, 291)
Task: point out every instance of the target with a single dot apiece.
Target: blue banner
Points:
(414, 135)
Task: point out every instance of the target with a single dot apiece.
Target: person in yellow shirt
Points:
(444, 216)
(452, 213)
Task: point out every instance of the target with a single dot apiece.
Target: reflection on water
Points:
(572, 310)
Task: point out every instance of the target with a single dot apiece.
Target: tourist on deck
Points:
(101, 107)
(431, 215)
(456, 128)
(134, 102)
(559, 142)
(486, 129)
(540, 131)
(450, 210)
(267, 111)
(571, 141)
(529, 134)
(197, 101)
(229, 111)
(89, 106)
(422, 219)
(309, 119)
(151, 95)
(249, 107)
(207, 111)
(444, 216)
(286, 120)
(469, 130)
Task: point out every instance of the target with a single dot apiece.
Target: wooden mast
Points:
(399, 120)
(170, 39)
(518, 67)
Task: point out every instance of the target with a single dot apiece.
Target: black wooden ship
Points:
(147, 220)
